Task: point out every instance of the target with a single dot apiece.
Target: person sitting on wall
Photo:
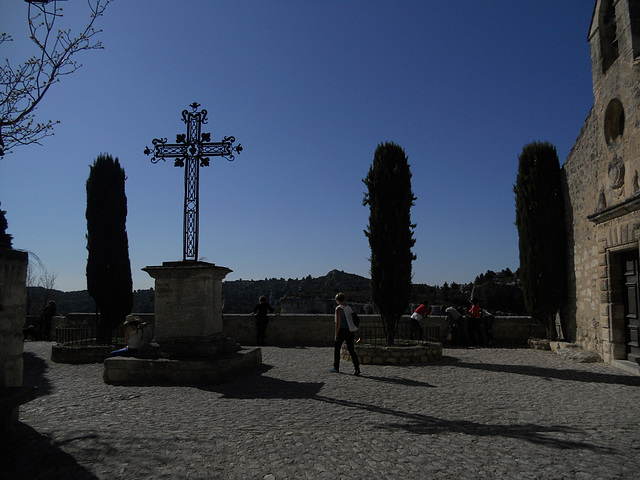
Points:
(133, 337)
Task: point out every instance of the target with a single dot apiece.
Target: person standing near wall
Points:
(474, 317)
(44, 321)
(416, 317)
(453, 322)
(344, 332)
(487, 321)
(260, 312)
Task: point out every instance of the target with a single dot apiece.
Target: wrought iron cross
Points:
(192, 151)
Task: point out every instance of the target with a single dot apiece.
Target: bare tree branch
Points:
(22, 87)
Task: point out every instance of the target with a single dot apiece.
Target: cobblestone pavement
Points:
(479, 413)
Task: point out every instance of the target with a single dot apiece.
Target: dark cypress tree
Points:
(390, 233)
(541, 230)
(108, 267)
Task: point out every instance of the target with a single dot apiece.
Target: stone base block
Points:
(209, 347)
(539, 344)
(558, 345)
(81, 354)
(406, 355)
(574, 352)
(627, 366)
(566, 350)
(139, 371)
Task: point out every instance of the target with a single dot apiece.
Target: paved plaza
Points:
(479, 413)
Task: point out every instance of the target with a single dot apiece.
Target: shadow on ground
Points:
(34, 373)
(27, 454)
(555, 436)
(544, 372)
(420, 424)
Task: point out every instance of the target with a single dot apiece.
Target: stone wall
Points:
(318, 330)
(13, 301)
(88, 319)
(602, 189)
(580, 169)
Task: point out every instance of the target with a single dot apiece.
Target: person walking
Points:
(344, 332)
(260, 312)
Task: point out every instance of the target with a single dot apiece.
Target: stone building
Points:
(603, 193)
(13, 300)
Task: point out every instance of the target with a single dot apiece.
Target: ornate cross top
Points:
(192, 151)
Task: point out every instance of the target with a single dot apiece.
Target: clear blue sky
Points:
(309, 88)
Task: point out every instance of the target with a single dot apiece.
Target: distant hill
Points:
(240, 295)
(80, 301)
(306, 295)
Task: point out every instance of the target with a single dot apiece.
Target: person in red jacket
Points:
(416, 317)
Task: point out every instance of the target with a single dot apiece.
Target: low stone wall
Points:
(79, 320)
(318, 330)
(284, 330)
(89, 319)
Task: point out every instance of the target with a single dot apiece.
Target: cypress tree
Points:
(541, 231)
(390, 233)
(108, 267)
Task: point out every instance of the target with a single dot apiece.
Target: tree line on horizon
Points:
(501, 292)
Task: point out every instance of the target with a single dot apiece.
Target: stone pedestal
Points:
(188, 308)
(189, 346)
